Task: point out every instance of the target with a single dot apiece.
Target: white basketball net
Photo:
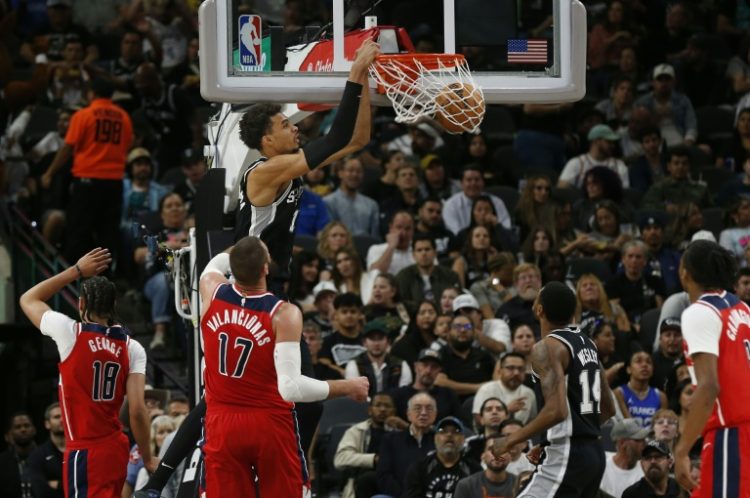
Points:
(413, 89)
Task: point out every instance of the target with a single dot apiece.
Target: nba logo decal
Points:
(250, 42)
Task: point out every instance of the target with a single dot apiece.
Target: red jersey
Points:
(92, 382)
(238, 344)
(719, 324)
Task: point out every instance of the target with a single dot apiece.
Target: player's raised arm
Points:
(293, 386)
(213, 275)
(607, 406)
(34, 301)
(350, 131)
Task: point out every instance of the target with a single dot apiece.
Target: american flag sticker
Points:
(527, 51)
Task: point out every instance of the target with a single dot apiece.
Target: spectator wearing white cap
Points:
(602, 142)
(673, 109)
(622, 469)
(491, 334)
(323, 294)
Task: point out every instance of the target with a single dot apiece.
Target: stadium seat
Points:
(329, 479)
(714, 123)
(566, 194)
(362, 244)
(504, 158)
(632, 197)
(713, 220)
(649, 329)
(466, 416)
(341, 411)
(509, 195)
(306, 242)
(579, 266)
(716, 178)
(498, 124)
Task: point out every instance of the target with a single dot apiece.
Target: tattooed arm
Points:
(549, 359)
(607, 404)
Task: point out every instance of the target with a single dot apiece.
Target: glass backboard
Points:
(252, 50)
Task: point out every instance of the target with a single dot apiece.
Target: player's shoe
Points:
(147, 493)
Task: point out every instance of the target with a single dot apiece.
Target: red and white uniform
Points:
(95, 362)
(249, 428)
(719, 324)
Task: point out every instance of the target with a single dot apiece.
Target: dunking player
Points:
(251, 342)
(577, 399)
(99, 365)
(269, 193)
(716, 328)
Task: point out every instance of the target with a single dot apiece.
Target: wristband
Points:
(78, 269)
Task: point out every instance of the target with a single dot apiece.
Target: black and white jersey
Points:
(583, 382)
(273, 224)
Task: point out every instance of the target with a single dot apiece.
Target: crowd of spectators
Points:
(430, 248)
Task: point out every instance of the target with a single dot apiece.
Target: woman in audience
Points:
(161, 427)
(599, 183)
(619, 105)
(736, 238)
(538, 246)
(304, 270)
(687, 220)
(348, 275)
(479, 154)
(333, 237)
(608, 234)
(595, 305)
(665, 425)
(483, 214)
(602, 332)
(522, 341)
(535, 206)
(471, 265)
(385, 303)
(419, 335)
(446, 300)
(172, 233)
(606, 41)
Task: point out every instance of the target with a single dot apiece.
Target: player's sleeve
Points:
(137, 356)
(701, 329)
(62, 329)
(351, 371)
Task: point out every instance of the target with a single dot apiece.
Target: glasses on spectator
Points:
(462, 326)
(665, 421)
(423, 408)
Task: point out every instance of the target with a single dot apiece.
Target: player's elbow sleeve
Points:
(293, 386)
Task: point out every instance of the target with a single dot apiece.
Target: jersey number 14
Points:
(590, 392)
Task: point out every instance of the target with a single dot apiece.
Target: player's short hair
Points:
(558, 302)
(102, 88)
(256, 122)
(710, 265)
(99, 295)
(247, 259)
(48, 410)
(347, 300)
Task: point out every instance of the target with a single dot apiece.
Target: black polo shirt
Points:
(476, 368)
(642, 489)
(636, 297)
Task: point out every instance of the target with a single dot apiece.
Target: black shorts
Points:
(571, 468)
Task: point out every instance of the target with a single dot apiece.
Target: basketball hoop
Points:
(434, 85)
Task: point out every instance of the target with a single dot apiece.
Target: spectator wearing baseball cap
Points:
(602, 143)
(679, 126)
(622, 468)
(663, 261)
(140, 193)
(436, 182)
(439, 472)
(669, 356)
(426, 369)
(492, 334)
(656, 461)
(383, 370)
(498, 288)
(324, 293)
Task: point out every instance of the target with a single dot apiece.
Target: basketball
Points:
(460, 108)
